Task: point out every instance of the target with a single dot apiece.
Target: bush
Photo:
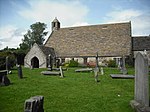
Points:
(111, 63)
(91, 64)
(73, 63)
(2, 63)
(11, 61)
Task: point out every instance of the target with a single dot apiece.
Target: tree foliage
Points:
(35, 34)
(3, 54)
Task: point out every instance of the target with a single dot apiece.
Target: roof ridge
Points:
(96, 25)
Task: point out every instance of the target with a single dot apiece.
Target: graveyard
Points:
(75, 92)
(45, 84)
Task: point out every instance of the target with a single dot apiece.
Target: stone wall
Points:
(35, 51)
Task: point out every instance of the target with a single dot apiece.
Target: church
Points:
(83, 42)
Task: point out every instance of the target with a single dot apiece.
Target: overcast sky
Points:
(16, 16)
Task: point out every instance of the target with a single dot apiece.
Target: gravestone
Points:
(123, 67)
(141, 91)
(61, 72)
(2, 73)
(102, 71)
(57, 63)
(50, 64)
(7, 64)
(4, 81)
(34, 104)
(97, 60)
(20, 72)
(96, 70)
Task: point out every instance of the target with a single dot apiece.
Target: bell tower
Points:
(55, 24)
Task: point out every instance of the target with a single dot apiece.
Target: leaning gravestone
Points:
(34, 104)
(141, 95)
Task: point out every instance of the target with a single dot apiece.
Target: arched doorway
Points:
(35, 62)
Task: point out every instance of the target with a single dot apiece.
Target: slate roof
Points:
(106, 39)
(141, 43)
(47, 50)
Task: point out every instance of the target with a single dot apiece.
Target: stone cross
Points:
(97, 60)
(50, 62)
(141, 89)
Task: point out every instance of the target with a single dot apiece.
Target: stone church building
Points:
(108, 40)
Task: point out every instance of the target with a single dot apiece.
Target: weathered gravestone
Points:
(122, 66)
(20, 72)
(141, 91)
(34, 104)
(4, 81)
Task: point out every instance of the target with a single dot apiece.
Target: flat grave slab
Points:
(84, 70)
(50, 73)
(58, 69)
(3, 72)
(120, 76)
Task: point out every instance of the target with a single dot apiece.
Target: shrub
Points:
(111, 63)
(11, 61)
(91, 64)
(73, 63)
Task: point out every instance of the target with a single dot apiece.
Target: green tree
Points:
(35, 34)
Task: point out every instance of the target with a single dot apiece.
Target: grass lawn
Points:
(77, 92)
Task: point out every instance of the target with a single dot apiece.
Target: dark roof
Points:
(141, 43)
(55, 20)
(106, 39)
(47, 50)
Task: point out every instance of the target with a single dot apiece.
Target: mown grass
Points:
(77, 92)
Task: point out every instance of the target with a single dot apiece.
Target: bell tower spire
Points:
(55, 24)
